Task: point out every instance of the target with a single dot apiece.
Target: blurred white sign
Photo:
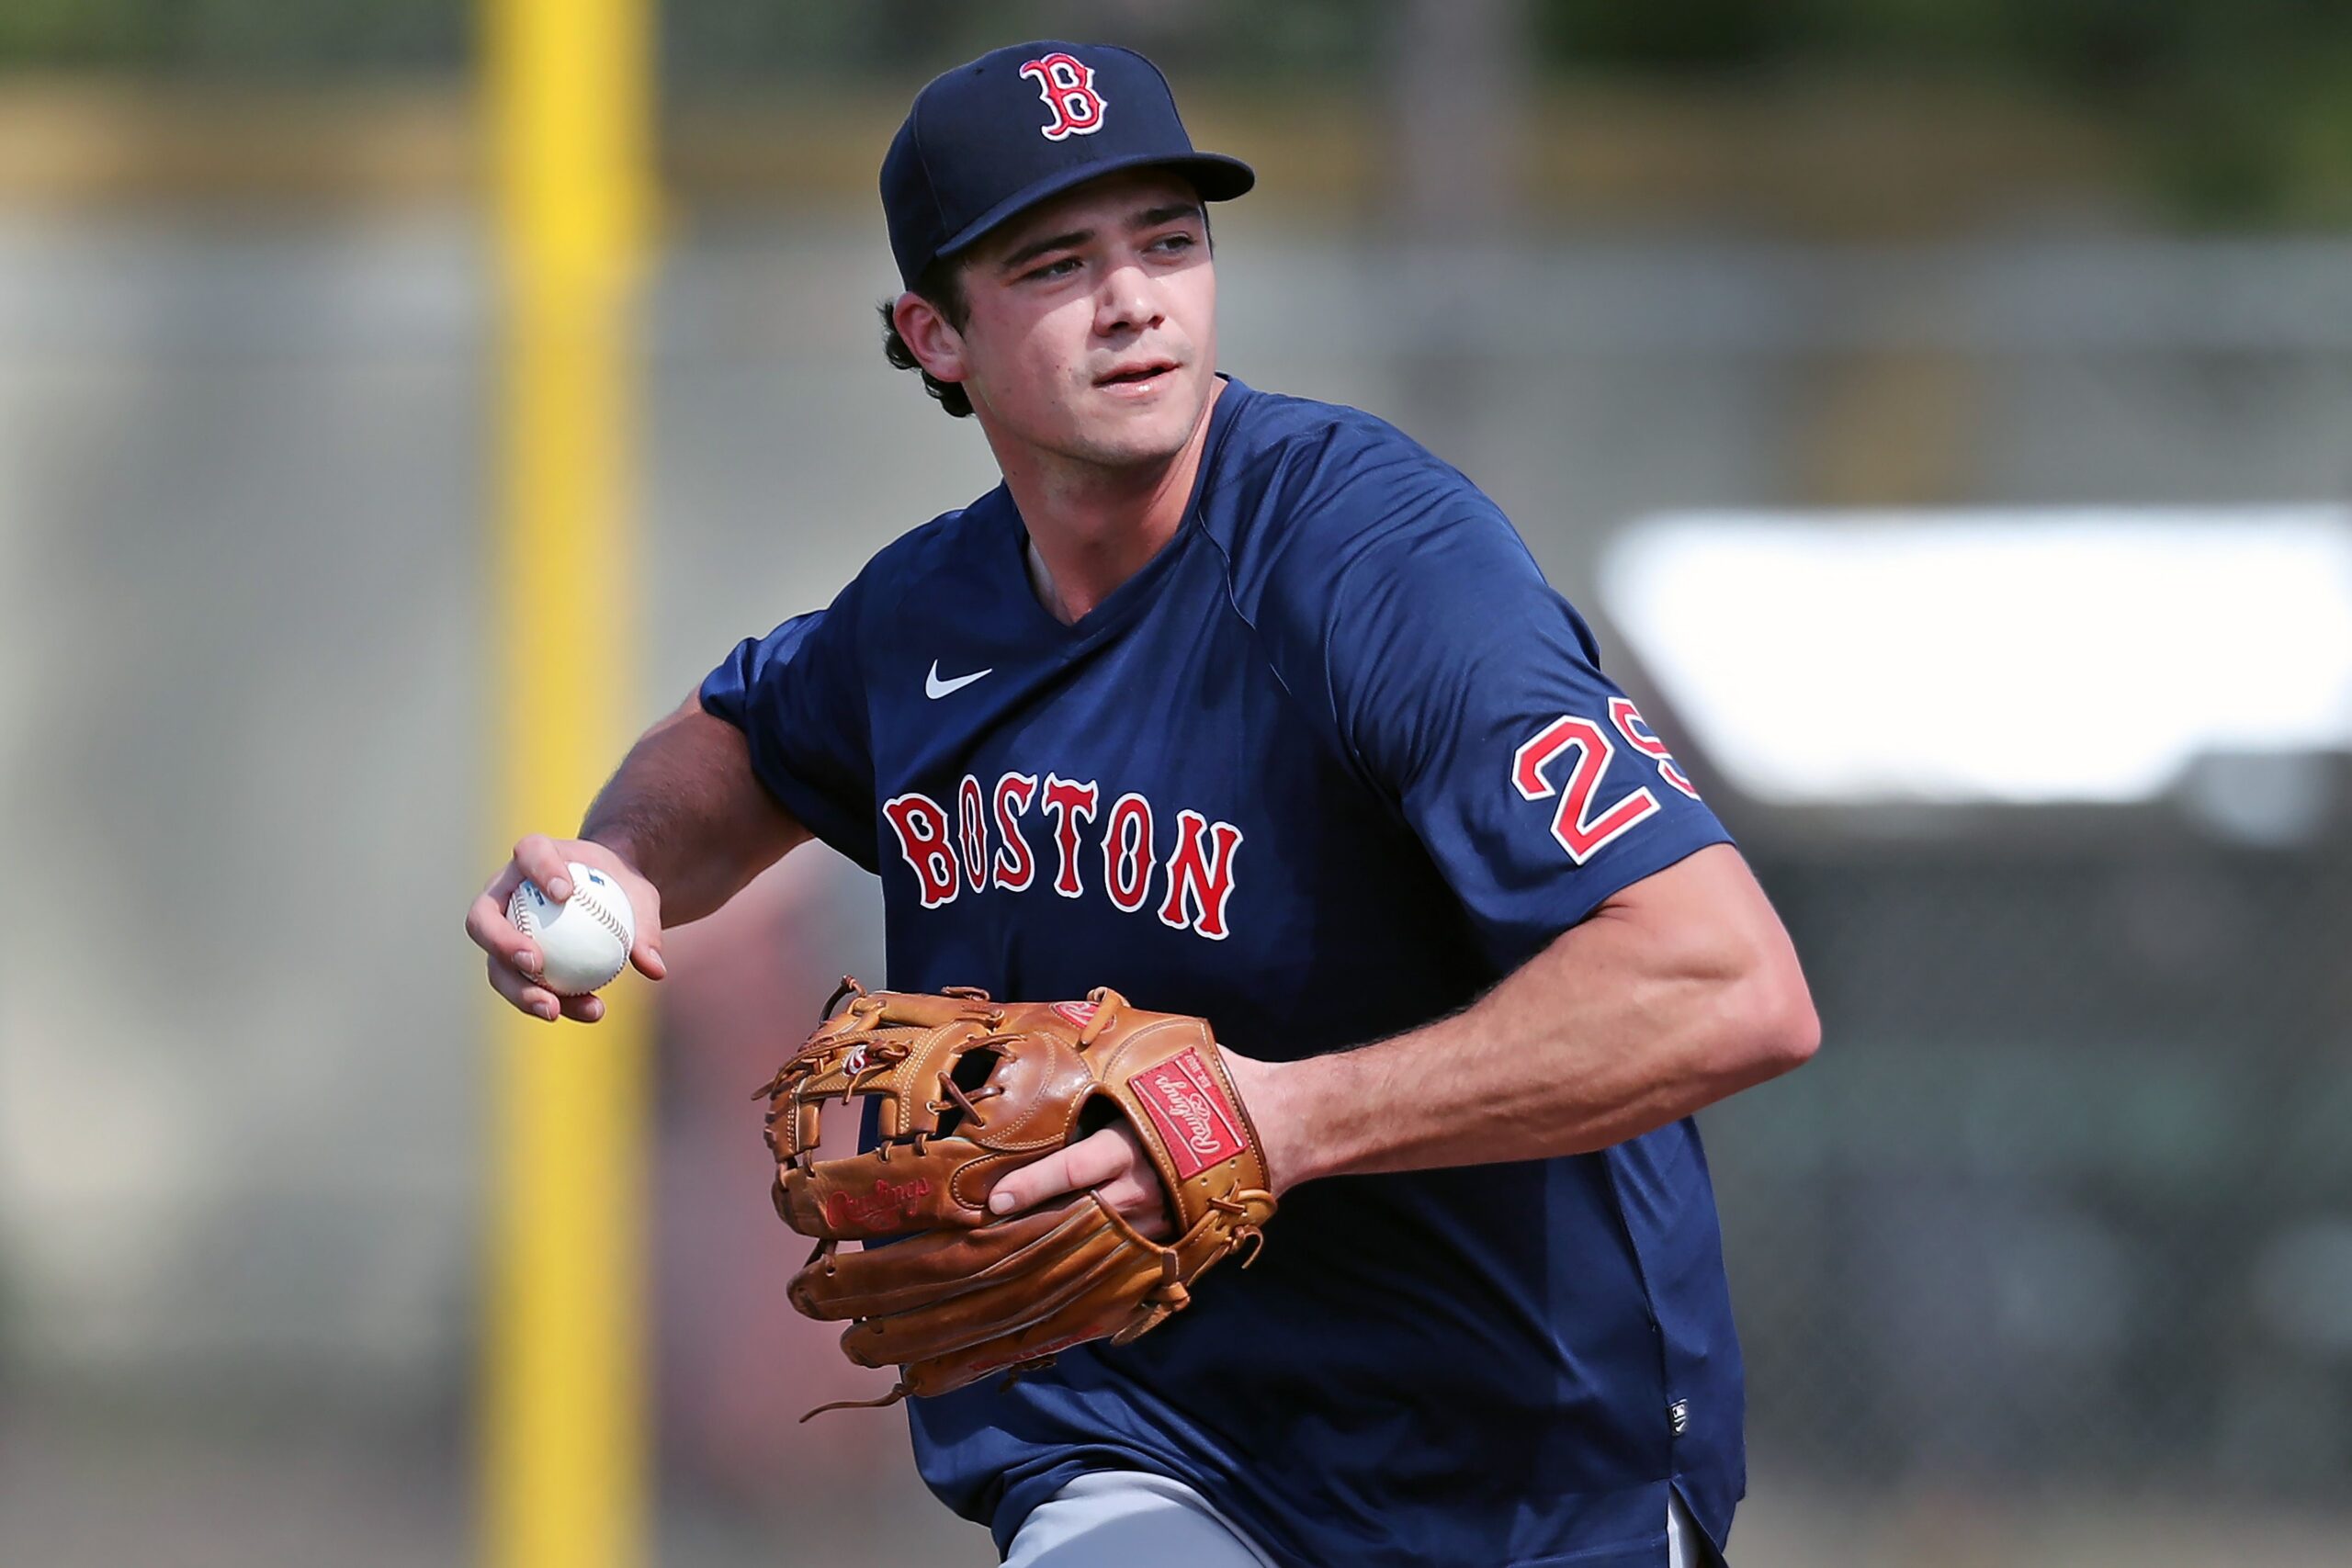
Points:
(1991, 655)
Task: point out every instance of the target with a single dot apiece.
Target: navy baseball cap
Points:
(995, 137)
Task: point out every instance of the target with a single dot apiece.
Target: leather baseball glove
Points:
(968, 1090)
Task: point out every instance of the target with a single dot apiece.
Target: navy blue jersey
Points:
(1337, 760)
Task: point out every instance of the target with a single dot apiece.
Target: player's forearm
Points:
(1633, 1019)
(686, 809)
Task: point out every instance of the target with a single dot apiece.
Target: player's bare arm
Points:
(684, 824)
(1678, 991)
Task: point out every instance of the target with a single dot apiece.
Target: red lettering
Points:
(1126, 853)
(922, 827)
(1014, 865)
(1070, 801)
(1200, 876)
(846, 1211)
(1573, 825)
(972, 833)
(1639, 736)
(980, 843)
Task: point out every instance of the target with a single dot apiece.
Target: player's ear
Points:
(930, 336)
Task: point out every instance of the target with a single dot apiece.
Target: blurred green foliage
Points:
(708, 40)
(237, 37)
(2243, 106)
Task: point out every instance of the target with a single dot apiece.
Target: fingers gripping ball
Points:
(583, 941)
(965, 1090)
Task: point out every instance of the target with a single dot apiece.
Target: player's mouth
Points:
(1143, 376)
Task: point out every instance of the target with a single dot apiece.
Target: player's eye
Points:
(1172, 243)
(1061, 268)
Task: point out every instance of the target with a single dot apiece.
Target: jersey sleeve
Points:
(1470, 691)
(798, 698)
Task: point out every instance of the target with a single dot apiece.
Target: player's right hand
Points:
(514, 962)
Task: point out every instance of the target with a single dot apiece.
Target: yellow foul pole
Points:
(563, 1445)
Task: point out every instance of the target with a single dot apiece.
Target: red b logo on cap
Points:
(1067, 87)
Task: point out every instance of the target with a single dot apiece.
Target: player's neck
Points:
(1090, 528)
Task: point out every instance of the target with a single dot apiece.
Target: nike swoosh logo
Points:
(935, 688)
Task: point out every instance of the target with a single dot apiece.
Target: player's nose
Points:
(1128, 300)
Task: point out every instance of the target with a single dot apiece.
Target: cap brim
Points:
(1214, 176)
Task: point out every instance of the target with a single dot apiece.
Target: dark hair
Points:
(942, 284)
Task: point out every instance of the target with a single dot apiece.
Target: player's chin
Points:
(1138, 426)
(1118, 448)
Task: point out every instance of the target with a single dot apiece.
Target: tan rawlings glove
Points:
(970, 1090)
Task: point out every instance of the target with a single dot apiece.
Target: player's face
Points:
(1092, 331)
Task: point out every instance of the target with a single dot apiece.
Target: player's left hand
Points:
(1113, 1163)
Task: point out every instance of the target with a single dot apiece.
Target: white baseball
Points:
(583, 941)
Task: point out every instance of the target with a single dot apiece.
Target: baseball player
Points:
(1251, 708)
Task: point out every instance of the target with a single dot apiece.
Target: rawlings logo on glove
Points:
(847, 1211)
(1183, 1090)
(968, 1090)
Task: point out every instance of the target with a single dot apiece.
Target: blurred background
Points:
(1943, 409)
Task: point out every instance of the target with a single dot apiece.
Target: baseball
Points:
(583, 941)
